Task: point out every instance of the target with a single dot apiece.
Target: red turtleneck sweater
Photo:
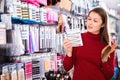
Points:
(86, 60)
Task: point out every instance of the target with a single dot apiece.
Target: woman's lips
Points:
(89, 27)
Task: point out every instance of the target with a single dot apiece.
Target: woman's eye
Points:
(95, 21)
(88, 19)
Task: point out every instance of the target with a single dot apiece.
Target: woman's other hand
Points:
(107, 51)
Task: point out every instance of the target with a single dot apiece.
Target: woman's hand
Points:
(107, 51)
(68, 46)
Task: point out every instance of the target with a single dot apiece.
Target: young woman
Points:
(93, 60)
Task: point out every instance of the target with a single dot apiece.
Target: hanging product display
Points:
(32, 14)
(7, 18)
(2, 33)
(15, 47)
(25, 11)
(2, 3)
(17, 9)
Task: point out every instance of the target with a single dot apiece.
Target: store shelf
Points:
(18, 20)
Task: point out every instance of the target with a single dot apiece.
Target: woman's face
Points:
(94, 23)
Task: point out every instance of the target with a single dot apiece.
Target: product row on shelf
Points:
(27, 12)
(33, 67)
(30, 38)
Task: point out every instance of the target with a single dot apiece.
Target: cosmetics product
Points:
(20, 71)
(25, 11)
(4, 73)
(12, 70)
(32, 14)
(36, 33)
(17, 9)
(6, 18)
(28, 70)
(2, 33)
(36, 68)
(43, 16)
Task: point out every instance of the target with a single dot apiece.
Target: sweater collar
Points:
(93, 36)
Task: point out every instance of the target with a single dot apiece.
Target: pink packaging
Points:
(36, 4)
(28, 76)
(31, 1)
(50, 16)
(59, 61)
(55, 59)
(28, 70)
(28, 67)
(44, 2)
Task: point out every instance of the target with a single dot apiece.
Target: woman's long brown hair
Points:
(104, 29)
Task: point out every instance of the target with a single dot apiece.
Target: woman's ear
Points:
(102, 25)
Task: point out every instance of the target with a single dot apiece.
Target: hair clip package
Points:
(25, 11)
(75, 38)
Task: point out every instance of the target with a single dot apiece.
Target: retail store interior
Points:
(32, 34)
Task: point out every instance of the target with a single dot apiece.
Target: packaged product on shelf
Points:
(9, 6)
(2, 2)
(25, 11)
(4, 73)
(6, 18)
(36, 67)
(42, 71)
(37, 13)
(43, 47)
(47, 65)
(32, 14)
(28, 70)
(31, 39)
(24, 29)
(43, 17)
(43, 2)
(2, 33)
(53, 62)
(15, 42)
(17, 9)
(12, 70)
(20, 71)
(47, 38)
(53, 37)
(36, 38)
(59, 60)
(52, 16)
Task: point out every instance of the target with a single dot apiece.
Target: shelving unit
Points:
(33, 46)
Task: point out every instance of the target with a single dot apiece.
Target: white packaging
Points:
(76, 39)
